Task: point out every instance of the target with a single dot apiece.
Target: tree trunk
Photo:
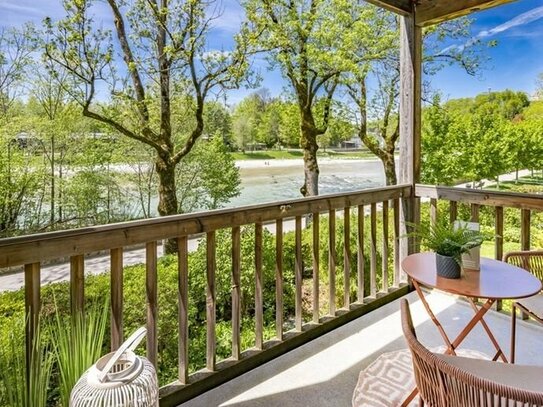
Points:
(308, 142)
(167, 197)
(389, 165)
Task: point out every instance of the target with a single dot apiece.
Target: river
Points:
(277, 180)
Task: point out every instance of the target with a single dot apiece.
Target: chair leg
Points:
(513, 333)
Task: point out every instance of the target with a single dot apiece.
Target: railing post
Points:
(373, 250)
(279, 279)
(316, 290)
(346, 257)
(151, 293)
(210, 302)
(360, 255)
(77, 283)
(32, 311)
(299, 268)
(525, 216)
(183, 295)
(332, 260)
(116, 295)
(259, 313)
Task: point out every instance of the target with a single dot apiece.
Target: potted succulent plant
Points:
(449, 242)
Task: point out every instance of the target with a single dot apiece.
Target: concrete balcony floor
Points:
(324, 372)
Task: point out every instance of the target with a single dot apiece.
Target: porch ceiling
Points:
(430, 12)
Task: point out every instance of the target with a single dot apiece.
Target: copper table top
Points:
(495, 280)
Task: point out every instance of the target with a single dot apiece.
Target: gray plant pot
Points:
(447, 267)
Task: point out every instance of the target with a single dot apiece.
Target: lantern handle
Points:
(130, 344)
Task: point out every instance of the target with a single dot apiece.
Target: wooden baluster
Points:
(525, 221)
(116, 281)
(475, 212)
(453, 211)
(346, 257)
(396, 281)
(77, 283)
(183, 301)
(433, 211)
(151, 291)
(525, 216)
(498, 244)
(299, 268)
(360, 254)
(259, 315)
(332, 260)
(32, 311)
(279, 279)
(384, 265)
(316, 288)
(373, 251)
(210, 302)
(236, 293)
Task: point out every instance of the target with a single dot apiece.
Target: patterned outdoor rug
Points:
(389, 379)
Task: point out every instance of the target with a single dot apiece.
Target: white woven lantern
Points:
(119, 379)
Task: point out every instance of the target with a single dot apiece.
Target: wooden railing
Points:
(33, 251)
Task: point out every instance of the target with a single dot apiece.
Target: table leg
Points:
(499, 352)
(450, 346)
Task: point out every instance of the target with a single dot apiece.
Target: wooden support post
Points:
(116, 281)
(410, 123)
(183, 300)
(151, 291)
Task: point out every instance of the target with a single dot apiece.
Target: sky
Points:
(513, 64)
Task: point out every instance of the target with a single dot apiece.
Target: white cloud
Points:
(520, 20)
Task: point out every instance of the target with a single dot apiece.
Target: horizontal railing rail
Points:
(375, 236)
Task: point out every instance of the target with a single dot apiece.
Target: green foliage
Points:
(446, 239)
(208, 177)
(14, 391)
(77, 342)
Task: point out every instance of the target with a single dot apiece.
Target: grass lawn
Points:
(292, 154)
(528, 184)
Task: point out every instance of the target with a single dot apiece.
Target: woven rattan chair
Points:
(454, 381)
(532, 306)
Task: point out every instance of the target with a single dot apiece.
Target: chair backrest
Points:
(531, 260)
(442, 384)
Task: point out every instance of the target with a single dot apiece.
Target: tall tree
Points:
(375, 45)
(163, 56)
(304, 40)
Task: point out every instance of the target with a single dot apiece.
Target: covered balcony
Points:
(341, 318)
